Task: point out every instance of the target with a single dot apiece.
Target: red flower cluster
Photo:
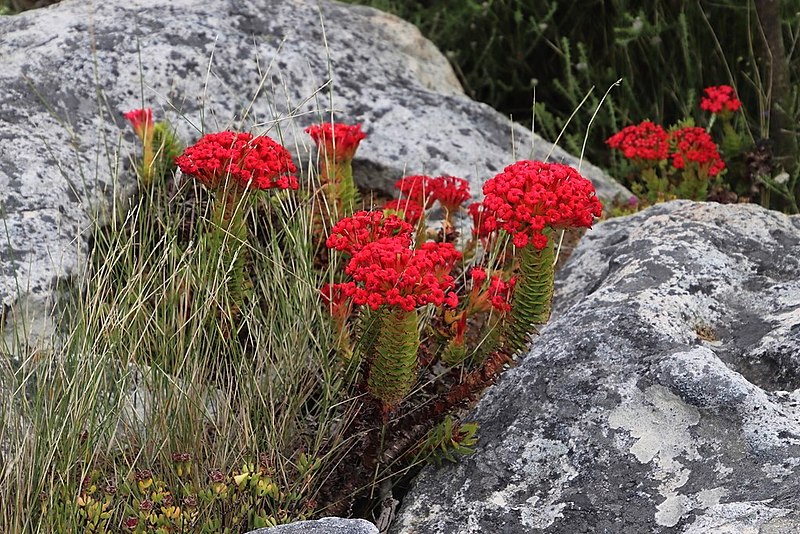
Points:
(531, 195)
(407, 208)
(478, 275)
(646, 141)
(387, 272)
(720, 98)
(339, 141)
(351, 234)
(142, 121)
(694, 145)
(252, 162)
(478, 214)
(498, 293)
(418, 188)
(450, 192)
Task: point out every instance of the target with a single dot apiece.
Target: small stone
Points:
(327, 525)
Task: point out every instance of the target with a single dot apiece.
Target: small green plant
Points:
(449, 440)
(186, 500)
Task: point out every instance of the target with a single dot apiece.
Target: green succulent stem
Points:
(655, 186)
(337, 177)
(160, 147)
(693, 184)
(225, 238)
(166, 147)
(367, 329)
(393, 363)
(533, 294)
(454, 353)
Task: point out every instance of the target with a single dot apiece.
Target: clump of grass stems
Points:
(144, 368)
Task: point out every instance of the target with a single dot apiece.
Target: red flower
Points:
(694, 145)
(131, 523)
(387, 272)
(497, 295)
(720, 98)
(646, 141)
(500, 293)
(252, 162)
(530, 195)
(407, 208)
(478, 215)
(339, 141)
(419, 188)
(351, 234)
(451, 192)
(142, 122)
(478, 275)
(335, 300)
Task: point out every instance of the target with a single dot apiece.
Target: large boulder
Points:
(662, 397)
(70, 70)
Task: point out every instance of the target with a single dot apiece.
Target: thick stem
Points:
(342, 194)
(454, 353)
(393, 365)
(226, 240)
(533, 294)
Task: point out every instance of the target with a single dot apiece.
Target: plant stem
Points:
(393, 367)
(341, 189)
(533, 294)
(226, 240)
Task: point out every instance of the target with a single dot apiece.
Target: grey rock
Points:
(662, 397)
(69, 71)
(328, 525)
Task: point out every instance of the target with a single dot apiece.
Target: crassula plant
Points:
(233, 166)
(531, 201)
(160, 146)
(337, 144)
(682, 161)
(392, 272)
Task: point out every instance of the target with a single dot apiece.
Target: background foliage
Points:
(664, 52)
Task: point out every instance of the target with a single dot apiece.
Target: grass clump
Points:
(170, 403)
